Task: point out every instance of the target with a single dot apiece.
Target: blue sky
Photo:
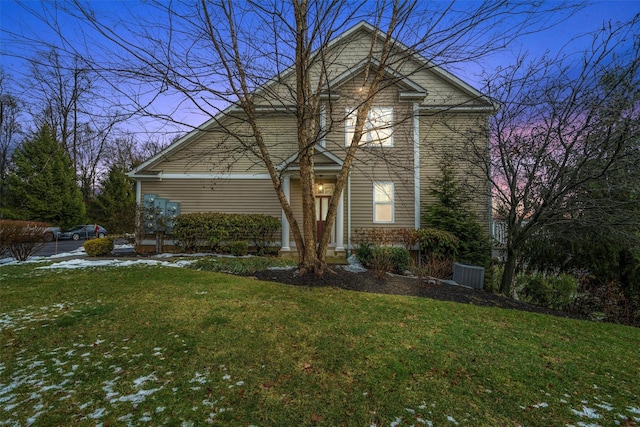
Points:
(20, 32)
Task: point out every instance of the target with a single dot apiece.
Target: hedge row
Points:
(196, 231)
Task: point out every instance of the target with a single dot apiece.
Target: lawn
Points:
(150, 345)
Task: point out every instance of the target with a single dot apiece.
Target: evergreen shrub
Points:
(239, 248)
(98, 247)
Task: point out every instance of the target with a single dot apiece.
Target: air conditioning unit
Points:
(468, 275)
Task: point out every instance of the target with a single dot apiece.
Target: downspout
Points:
(490, 189)
(349, 215)
(416, 165)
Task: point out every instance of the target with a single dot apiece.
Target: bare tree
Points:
(10, 108)
(66, 98)
(233, 61)
(566, 123)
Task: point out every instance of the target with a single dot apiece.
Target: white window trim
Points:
(391, 203)
(367, 131)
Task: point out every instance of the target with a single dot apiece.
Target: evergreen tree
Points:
(42, 183)
(116, 204)
(451, 213)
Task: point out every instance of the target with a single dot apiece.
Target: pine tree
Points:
(42, 183)
(116, 204)
(450, 213)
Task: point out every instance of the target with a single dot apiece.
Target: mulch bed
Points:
(402, 285)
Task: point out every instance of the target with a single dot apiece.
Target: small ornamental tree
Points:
(42, 183)
(450, 213)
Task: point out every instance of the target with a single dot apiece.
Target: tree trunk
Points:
(509, 272)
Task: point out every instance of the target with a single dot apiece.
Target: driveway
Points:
(63, 246)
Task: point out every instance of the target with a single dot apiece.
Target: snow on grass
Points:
(587, 413)
(79, 252)
(84, 263)
(19, 319)
(35, 383)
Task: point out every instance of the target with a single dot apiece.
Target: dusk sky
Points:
(20, 31)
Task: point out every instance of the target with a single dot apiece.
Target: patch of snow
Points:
(136, 398)
(587, 413)
(354, 265)
(633, 410)
(452, 420)
(605, 406)
(141, 380)
(396, 422)
(125, 246)
(198, 378)
(85, 263)
(98, 413)
(541, 405)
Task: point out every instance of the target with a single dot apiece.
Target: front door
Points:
(322, 207)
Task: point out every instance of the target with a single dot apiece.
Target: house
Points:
(420, 113)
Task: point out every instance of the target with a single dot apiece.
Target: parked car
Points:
(82, 232)
(50, 233)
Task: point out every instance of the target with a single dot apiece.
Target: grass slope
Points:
(182, 347)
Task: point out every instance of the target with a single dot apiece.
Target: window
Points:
(377, 131)
(383, 202)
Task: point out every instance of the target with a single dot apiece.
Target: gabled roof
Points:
(414, 92)
(324, 159)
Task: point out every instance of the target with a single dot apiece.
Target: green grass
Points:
(157, 345)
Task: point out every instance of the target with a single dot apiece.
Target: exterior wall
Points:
(217, 150)
(351, 51)
(447, 135)
(375, 163)
(228, 196)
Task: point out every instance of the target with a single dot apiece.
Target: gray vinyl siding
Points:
(218, 151)
(228, 196)
(350, 52)
(377, 164)
(448, 135)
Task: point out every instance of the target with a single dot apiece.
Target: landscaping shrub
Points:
(364, 253)
(239, 248)
(436, 243)
(400, 259)
(21, 239)
(98, 247)
(547, 291)
(192, 231)
(438, 249)
(385, 259)
(381, 261)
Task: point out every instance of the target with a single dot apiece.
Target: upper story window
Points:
(377, 131)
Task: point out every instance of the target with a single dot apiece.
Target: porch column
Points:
(284, 240)
(340, 224)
